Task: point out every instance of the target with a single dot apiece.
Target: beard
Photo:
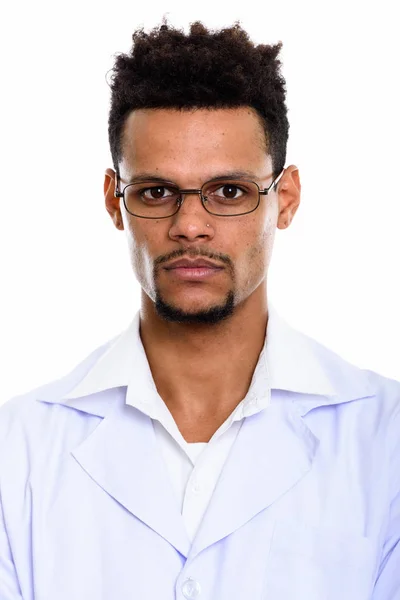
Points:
(209, 316)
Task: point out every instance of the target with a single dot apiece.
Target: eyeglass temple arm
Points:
(274, 183)
(117, 193)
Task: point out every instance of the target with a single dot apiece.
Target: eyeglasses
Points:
(223, 198)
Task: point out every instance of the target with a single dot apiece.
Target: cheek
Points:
(257, 256)
(258, 250)
(266, 233)
(139, 244)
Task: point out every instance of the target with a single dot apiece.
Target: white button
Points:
(191, 589)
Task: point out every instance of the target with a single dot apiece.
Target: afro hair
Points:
(167, 68)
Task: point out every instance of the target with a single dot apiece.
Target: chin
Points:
(210, 315)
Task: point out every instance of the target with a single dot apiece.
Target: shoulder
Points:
(364, 398)
(25, 417)
(324, 378)
(347, 379)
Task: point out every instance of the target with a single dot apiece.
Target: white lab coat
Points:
(307, 506)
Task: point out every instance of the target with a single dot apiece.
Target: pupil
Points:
(229, 191)
(157, 192)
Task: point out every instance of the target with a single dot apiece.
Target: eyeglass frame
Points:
(203, 199)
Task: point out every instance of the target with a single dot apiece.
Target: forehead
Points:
(195, 144)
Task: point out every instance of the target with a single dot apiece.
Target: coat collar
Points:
(295, 362)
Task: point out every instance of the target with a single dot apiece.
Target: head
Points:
(187, 109)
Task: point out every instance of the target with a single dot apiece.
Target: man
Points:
(210, 451)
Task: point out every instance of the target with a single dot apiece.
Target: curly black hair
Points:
(167, 68)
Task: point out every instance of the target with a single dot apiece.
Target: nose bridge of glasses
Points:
(186, 192)
(190, 191)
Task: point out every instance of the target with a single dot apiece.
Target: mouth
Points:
(190, 273)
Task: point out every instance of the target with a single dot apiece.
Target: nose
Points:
(192, 222)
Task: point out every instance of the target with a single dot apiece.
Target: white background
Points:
(66, 281)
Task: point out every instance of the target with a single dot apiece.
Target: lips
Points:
(185, 263)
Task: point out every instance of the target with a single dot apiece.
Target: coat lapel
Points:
(273, 451)
(122, 456)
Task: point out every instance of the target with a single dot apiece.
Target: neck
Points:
(202, 372)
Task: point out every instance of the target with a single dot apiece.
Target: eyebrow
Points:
(141, 177)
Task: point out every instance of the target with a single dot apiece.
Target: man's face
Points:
(188, 149)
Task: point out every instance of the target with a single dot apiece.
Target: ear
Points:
(112, 203)
(289, 190)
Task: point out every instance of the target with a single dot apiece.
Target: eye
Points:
(227, 191)
(231, 191)
(154, 193)
(159, 192)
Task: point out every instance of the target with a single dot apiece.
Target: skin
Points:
(202, 370)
